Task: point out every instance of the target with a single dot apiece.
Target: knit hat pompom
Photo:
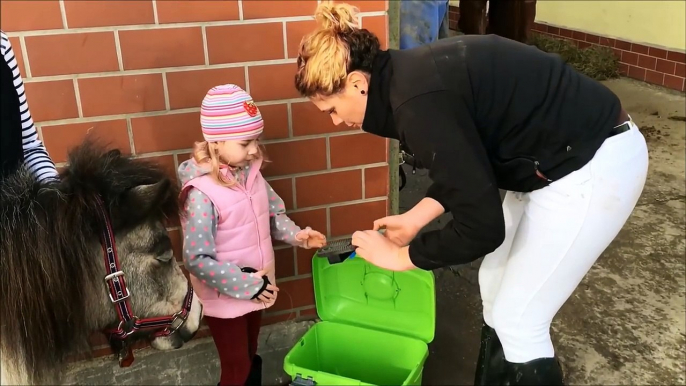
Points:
(229, 113)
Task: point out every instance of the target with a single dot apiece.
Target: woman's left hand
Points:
(310, 238)
(380, 251)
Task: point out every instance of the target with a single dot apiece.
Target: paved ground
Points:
(625, 324)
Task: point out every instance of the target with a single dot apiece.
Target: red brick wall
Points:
(638, 61)
(134, 73)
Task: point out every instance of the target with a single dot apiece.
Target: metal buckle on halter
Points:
(131, 326)
(178, 315)
(128, 293)
(113, 275)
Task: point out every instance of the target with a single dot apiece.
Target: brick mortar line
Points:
(611, 37)
(289, 111)
(39, 130)
(120, 56)
(129, 131)
(143, 27)
(364, 187)
(63, 13)
(328, 222)
(294, 204)
(285, 40)
(165, 113)
(328, 152)
(246, 76)
(165, 91)
(294, 278)
(77, 95)
(155, 16)
(176, 163)
(240, 9)
(271, 178)
(100, 118)
(25, 56)
(157, 70)
(206, 51)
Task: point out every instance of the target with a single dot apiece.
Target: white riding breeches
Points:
(553, 237)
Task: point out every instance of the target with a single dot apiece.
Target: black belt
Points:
(624, 126)
(619, 129)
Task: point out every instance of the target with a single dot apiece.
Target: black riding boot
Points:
(542, 371)
(255, 376)
(491, 362)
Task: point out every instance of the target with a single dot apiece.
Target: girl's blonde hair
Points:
(206, 153)
(336, 48)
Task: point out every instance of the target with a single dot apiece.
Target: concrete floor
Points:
(625, 324)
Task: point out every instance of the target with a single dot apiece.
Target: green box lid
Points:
(355, 292)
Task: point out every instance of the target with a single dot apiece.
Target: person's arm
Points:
(36, 157)
(282, 227)
(425, 211)
(200, 254)
(444, 138)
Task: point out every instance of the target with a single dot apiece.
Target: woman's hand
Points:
(380, 251)
(310, 238)
(399, 229)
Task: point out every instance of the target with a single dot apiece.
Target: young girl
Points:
(231, 215)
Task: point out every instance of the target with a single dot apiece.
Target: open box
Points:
(375, 329)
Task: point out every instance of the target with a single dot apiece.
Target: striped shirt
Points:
(36, 157)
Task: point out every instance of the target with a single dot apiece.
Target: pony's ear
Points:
(142, 198)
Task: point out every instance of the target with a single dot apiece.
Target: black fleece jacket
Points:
(483, 113)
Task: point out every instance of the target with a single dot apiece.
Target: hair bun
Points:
(339, 18)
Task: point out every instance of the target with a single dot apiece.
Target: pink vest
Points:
(243, 237)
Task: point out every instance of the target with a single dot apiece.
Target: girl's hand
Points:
(399, 229)
(266, 297)
(380, 251)
(310, 238)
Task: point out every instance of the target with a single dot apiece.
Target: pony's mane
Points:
(49, 231)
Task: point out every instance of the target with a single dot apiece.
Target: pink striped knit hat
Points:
(229, 113)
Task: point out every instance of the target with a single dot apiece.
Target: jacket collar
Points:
(378, 116)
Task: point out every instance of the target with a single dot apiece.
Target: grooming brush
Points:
(337, 251)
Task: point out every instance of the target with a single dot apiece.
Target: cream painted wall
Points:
(659, 23)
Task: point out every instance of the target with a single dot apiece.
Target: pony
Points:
(88, 253)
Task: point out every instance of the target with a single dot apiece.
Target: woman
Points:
(19, 142)
(483, 113)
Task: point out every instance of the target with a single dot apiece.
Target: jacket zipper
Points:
(257, 226)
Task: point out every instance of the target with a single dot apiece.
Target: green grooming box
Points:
(375, 326)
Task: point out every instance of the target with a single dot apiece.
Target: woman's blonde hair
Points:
(336, 48)
(206, 153)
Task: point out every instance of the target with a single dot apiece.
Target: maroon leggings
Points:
(236, 341)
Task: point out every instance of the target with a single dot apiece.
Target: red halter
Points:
(119, 296)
